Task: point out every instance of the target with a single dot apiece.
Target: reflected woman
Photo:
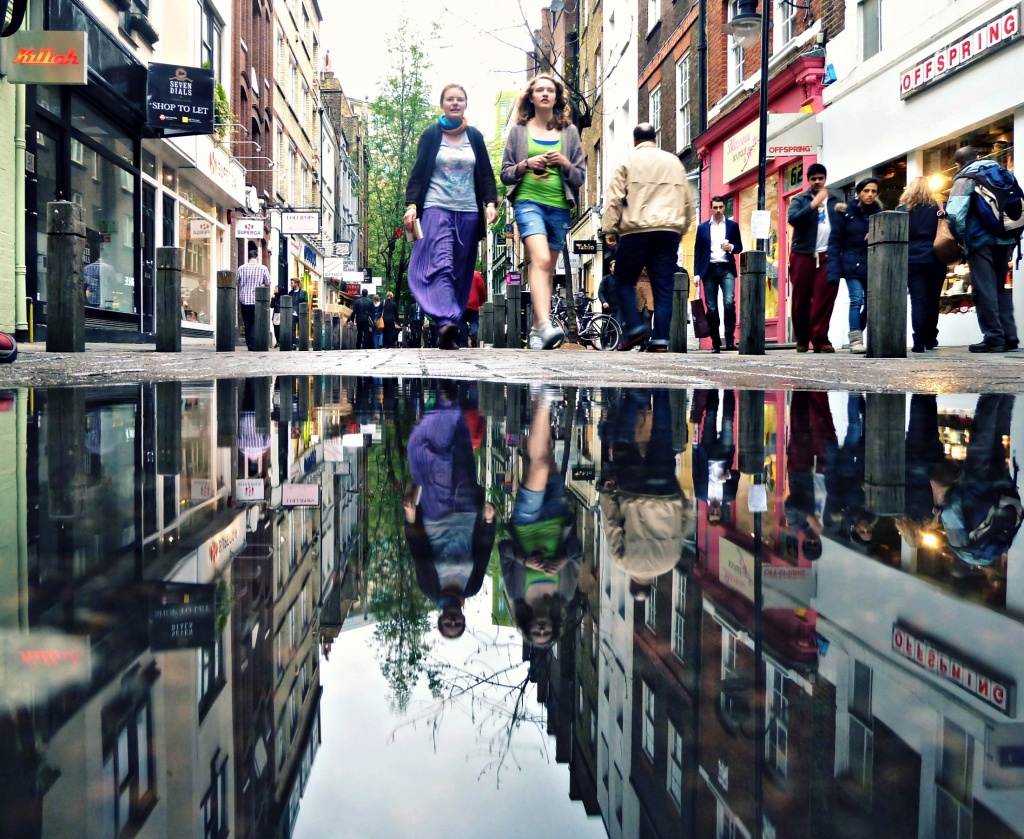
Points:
(452, 192)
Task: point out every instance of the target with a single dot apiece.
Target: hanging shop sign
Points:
(248, 228)
(38, 57)
(584, 246)
(293, 223)
(300, 495)
(200, 228)
(182, 617)
(955, 668)
(946, 58)
(179, 100)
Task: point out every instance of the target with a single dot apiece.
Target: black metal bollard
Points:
(680, 308)
(65, 299)
(753, 270)
(227, 314)
(286, 330)
(304, 326)
(318, 330)
(169, 262)
(261, 320)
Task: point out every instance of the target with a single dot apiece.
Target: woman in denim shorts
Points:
(543, 165)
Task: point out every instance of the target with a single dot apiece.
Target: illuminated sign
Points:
(38, 57)
(954, 668)
(944, 59)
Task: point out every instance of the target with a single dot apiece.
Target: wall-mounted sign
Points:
(249, 489)
(38, 57)
(200, 228)
(248, 227)
(179, 100)
(300, 495)
(584, 246)
(182, 617)
(293, 223)
(946, 58)
(740, 152)
(513, 278)
(583, 473)
(956, 669)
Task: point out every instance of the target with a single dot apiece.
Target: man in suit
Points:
(714, 264)
(298, 295)
(362, 311)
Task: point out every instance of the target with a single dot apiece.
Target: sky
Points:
(482, 45)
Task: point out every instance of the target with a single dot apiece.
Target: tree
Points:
(401, 112)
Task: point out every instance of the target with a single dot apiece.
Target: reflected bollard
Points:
(753, 271)
(751, 448)
(261, 320)
(65, 297)
(227, 311)
(227, 413)
(318, 392)
(285, 396)
(286, 330)
(303, 384)
(168, 428)
(318, 330)
(304, 326)
(67, 460)
(885, 453)
(169, 262)
(887, 285)
(680, 430)
(680, 308)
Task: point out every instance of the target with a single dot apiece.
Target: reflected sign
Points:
(182, 616)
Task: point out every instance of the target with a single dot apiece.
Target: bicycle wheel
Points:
(604, 332)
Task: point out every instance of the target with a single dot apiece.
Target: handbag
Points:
(700, 318)
(946, 248)
(380, 323)
(276, 318)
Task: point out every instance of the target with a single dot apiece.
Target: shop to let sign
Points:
(180, 99)
(949, 58)
(38, 57)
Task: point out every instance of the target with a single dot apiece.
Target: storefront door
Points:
(148, 292)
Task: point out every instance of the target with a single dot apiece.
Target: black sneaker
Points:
(984, 347)
(1012, 345)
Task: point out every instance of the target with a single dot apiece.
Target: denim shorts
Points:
(534, 505)
(533, 218)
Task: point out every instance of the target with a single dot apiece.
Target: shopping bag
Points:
(700, 318)
(946, 247)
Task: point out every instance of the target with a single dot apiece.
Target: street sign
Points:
(584, 246)
(300, 495)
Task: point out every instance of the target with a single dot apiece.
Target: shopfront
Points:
(950, 86)
(730, 148)
(306, 263)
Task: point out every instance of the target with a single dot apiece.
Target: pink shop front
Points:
(728, 150)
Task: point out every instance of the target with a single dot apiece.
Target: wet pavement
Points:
(313, 605)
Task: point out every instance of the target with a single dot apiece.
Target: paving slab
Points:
(947, 370)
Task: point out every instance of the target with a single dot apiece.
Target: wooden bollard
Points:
(486, 323)
(65, 293)
(261, 320)
(304, 326)
(888, 233)
(169, 262)
(318, 329)
(227, 311)
(680, 309)
(753, 270)
(885, 453)
(286, 331)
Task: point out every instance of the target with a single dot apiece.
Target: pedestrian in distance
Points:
(471, 317)
(414, 320)
(848, 255)
(987, 250)
(543, 166)
(389, 312)
(249, 277)
(362, 311)
(714, 266)
(810, 216)
(378, 322)
(606, 293)
(648, 207)
(925, 271)
(275, 314)
(451, 197)
(298, 295)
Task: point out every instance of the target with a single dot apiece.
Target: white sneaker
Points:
(546, 336)
(546, 395)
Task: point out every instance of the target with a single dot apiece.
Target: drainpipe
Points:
(21, 332)
(702, 67)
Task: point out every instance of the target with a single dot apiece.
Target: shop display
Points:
(957, 296)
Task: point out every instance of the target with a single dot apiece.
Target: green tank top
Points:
(543, 187)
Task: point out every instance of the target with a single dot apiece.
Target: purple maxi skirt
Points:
(442, 263)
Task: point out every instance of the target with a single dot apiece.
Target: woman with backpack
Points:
(926, 272)
(848, 254)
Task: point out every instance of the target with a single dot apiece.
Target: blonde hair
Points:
(917, 194)
(561, 114)
(389, 296)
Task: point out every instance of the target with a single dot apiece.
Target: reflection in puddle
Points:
(323, 606)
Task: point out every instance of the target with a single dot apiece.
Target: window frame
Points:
(683, 113)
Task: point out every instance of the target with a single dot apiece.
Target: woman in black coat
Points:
(926, 273)
(848, 254)
(390, 314)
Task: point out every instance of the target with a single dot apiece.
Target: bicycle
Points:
(601, 331)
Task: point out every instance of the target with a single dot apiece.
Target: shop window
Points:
(683, 102)
(748, 203)
(870, 27)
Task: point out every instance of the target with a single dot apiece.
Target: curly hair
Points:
(561, 113)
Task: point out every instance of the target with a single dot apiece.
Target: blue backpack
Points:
(998, 201)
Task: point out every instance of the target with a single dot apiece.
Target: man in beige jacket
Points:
(648, 207)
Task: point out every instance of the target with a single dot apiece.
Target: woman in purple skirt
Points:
(452, 192)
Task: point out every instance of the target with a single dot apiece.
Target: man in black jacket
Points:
(606, 292)
(362, 311)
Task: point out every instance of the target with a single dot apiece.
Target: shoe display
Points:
(983, 347)
(546, 336)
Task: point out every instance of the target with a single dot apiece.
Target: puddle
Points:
(323, 606)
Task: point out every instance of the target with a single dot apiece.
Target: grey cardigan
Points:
(516, 151)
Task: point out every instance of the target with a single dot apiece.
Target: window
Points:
(653, 14)
(209, 37)
(129, 770)
(654, 113)
(734, 58)
(215, 801)
(77, 152)
(954, 800)
(871, 27)
(777, 736)
(678, 612)
(674, 776)
(647, 700)
(683, 102)
(785, 26)
(729, 643)
(211, 675)
(862, 738)
(651, 607)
